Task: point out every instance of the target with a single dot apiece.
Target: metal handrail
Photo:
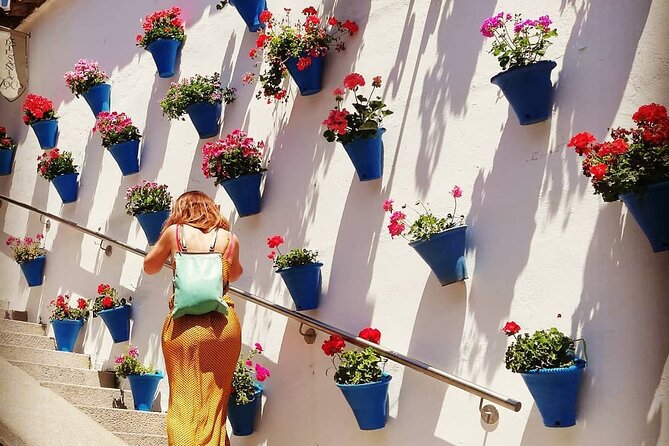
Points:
(407, 361)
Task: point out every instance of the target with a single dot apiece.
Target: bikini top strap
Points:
(213, 243)
(181, 240)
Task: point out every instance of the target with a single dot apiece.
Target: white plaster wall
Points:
(540, 245)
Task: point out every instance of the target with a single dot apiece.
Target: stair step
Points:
(22, 327)
(66, 375)
(16, 315)
(27, 340)
(91, 395)
(142, 440)
(127, 421)
(48, 357)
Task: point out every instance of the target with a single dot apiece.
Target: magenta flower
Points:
(258, 347)
(249, 362)
(261, 373)
(134, 352)
(456, 192)
(119, 360)
(388, 205)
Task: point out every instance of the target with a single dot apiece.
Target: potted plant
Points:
(525, 78)
(143, 379)
(299, 49)
(7, 152)
(121, 138)
(236, 163)
(300, 271)
(31, 256)
(246, 393)
(59, 168)
(360, 132)
(549, 366)
(250, 11)
(201, 98)
(67, 321)
(361, 379)
(634, 168)
(88, 80)
(150, 202)
(440, 241)
(163, 36)
(114, 311)
(39, 114)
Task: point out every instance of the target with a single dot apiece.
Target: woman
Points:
(200, 351)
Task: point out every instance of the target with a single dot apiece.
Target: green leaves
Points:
(545, 349)
(296, 257)
(359, 367)
(193, 90)
(427, 225)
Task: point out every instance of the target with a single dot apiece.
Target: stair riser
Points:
(48, 357)
(128, 421)
(26, 340)
(21, 327)
(82, 377)
(142, 440)
(92, 396)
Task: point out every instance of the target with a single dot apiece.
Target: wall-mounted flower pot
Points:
(67, 187)
(651, 211)
(33, 271)
(126, 155)
(206, 118)
(117, 321)
(369, 402)
(555, 391)
(245, 193)
(529, 90)
(164, 52)
(304, 284)
(46, 132)
(144, 389)
(309, 80)
(367, 156)
(445, 254)
(98, 98)
(243, 416)
(6, 161)
(66, 332)
(152, 224)
(250, 11)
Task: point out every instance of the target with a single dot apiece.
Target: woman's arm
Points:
(161, 251)
(232, 255)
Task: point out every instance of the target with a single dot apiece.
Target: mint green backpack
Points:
(198, 280)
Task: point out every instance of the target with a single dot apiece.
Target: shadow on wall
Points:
(615, 296)
(448, 82)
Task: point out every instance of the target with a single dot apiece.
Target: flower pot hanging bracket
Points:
(489, 413)
(309, 334)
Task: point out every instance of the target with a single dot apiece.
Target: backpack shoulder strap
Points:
(181, 240)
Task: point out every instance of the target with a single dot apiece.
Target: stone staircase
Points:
(25, 345)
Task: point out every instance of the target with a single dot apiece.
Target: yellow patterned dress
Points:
(201, 353)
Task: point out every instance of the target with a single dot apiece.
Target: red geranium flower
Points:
(107, 302)
(598, 171)
(350, 26)
(82, 304)
(262, 40)
(333, 345)
(309, 11)
(370, 334)
(511, 328)
(265, 16)
(650, 113)
(337, 121)
(353, 81)
(582, 142)
(274, 241)
(102, 288)
(303, 63)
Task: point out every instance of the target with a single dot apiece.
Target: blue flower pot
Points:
(33, 270)
(445, 254)
(67, 187)
(164, 52)
(126, 155)
(555, 391)
(369, 402)
(144, 389)
(152, 224)
(206, 118)
(651, 211)
(46, 132)
(6, 161)
(245, 193)
(66, 332)
(117, 321)
(242, 417)
(367, 156)
(98, 98)
(529, 90)
(250, 11)
(304, 284)
(309, 80)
